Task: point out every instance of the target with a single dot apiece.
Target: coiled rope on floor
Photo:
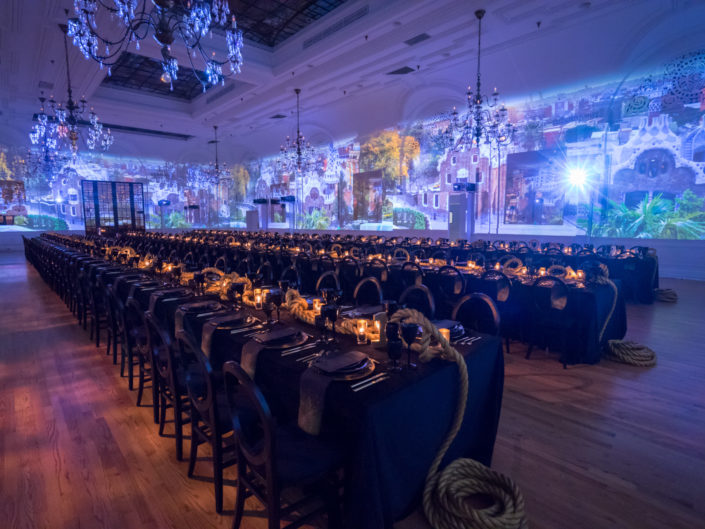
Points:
(667, 295)
(447, 492)
(623, 351)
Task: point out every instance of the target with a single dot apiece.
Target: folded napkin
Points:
(364, 310)
(251, 350)
(227, 320)
(339, 361)
(312, 398)
(314, 384)
(275, 335)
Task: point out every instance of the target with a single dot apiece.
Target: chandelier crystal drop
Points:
(59, 124)
(297, 156)
(169, 21)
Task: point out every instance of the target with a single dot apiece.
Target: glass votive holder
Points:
(376, 334)
(361, 331)
(445, 333)
(317, 303)
(542, 271)
(581, 275)
(258, 301)
(497, 266)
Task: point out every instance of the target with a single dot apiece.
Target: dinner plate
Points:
(297, 339)
(362, 371)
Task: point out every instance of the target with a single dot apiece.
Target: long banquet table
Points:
(390, 431)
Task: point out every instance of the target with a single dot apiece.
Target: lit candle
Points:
(258, 301)
(361, 331)
(377, 335)
(445, 333)
(542, 271)
(316, 306)
(471, 264)
(497, 266)
(581, 275)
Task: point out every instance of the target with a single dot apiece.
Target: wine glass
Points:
(268, 309)
(275, 296)
(409, 331)
(320, 324)
(284, 286)
(238, 288)
(199, 279)
(394, 345)
(329, 311)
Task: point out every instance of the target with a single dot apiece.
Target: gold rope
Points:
(624, 351)
(446, 492)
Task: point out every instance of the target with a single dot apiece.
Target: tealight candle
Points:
(471, 264)
(445, 333)
(361, 333)
(317, 306)
(581, 275)
(258, 301)
(497, 266)
(542, 271)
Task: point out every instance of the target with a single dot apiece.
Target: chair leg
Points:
(97, 332)
(140, 383)
(130, 370)
(179, 428)
(273, 516)
(506, 344)
(528, 351)
(218, 474)
(155, 396)
(193, 453)
(162, 414)
(239, 500)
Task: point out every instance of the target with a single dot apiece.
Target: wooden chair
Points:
(272, 458)
(478, 312)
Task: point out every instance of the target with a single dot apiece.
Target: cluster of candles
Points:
(260, 296)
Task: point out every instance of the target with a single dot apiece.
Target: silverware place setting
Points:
(371, 381)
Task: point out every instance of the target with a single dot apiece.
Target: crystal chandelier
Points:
(58, 125)
(188, 20)
(297, 156)
(486, 118)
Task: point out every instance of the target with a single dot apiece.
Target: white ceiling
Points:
(344, 81)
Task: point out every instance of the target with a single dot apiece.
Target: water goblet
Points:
(275, 296)
(409, 331)
(329, 312)
(394, 345)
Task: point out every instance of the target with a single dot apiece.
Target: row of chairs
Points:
(223, 407)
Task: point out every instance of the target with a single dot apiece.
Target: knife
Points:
(372, 383)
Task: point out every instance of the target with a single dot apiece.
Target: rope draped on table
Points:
(624, 351)
(446, 493)
(298, 307)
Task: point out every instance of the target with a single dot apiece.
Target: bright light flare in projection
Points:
(578, 177)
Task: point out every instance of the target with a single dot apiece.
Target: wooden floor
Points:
(591, 447)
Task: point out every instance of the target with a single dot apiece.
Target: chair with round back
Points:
(400, 254)
(210, 416)
(328, 279)
(477, 258)
(368, 292)
(499, 287)
(550, 316)
(419, 297)
(291, 275)
(272, 457)
(266, 271)
(449, 288)
(350, 274)
(410, 274)
(478, 312)
(379, 269)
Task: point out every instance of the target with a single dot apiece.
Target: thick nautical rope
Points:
(624, 351)
(446, 493)
(666, 295)
(298, 307)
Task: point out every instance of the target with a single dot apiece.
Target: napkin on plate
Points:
(275, 335)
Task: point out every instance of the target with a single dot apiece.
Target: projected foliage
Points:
(630, 152)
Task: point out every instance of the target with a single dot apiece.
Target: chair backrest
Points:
(266, 271)
(291, 275)
(419, 297)
(221, 263)
(377, 268)
(550, 295)
(328, 279)
(325, 263)
(411, 274)
(452, 281)
(477, 311)
(496, 285)
(478, 258)
(401, 253)
(368, 292)
(252, 419)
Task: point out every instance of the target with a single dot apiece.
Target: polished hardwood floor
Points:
(592, 447)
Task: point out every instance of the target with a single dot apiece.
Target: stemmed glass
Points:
(409, 331)
(199, 279)
(329, 312)
(268, 309)
(275, 296)
(284, 286)
(394, 345)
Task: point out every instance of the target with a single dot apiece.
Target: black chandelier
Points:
(59, 124)
(297, 155)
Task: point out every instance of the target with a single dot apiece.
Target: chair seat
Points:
(303, 458)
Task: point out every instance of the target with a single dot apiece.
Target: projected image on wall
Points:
(623, 158)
